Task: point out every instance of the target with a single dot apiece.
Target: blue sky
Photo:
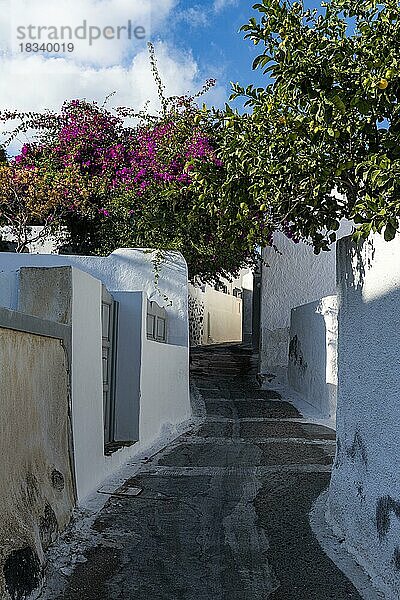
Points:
(215, 41)
(211, 31)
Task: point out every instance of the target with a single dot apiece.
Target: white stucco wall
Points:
(160, 370)
(125, 270)
(293, 277)
(312, 368)
(215, 317)
(222, 317)
(91, 466)
(164, 387)
(364, 496)
(161, 400)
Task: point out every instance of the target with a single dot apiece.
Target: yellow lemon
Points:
(383, 83)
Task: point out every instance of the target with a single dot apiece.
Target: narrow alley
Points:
(223, 512)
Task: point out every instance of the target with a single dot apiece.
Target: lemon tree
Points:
(321, 140)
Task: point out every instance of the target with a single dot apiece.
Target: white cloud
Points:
(220, 5)
(96, 14)
(196, 16)
(37, 83)
(200, 15)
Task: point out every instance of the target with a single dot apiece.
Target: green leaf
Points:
(390, 232)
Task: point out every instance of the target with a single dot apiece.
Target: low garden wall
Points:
(312, 367)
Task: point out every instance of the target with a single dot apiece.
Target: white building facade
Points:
(130, 383)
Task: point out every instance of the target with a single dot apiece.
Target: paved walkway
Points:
(223, 512)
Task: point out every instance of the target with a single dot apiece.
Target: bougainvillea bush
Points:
(30, 195)
(118, 185)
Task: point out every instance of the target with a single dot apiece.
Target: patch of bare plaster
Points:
(35, 472)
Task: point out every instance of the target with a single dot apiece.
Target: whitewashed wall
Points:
(293, 277)
(215, 317)
(312, 368)
(222, 317)
(164, 385)
(247, 307)
(364, 496)
(124, 270)
(161, 370)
